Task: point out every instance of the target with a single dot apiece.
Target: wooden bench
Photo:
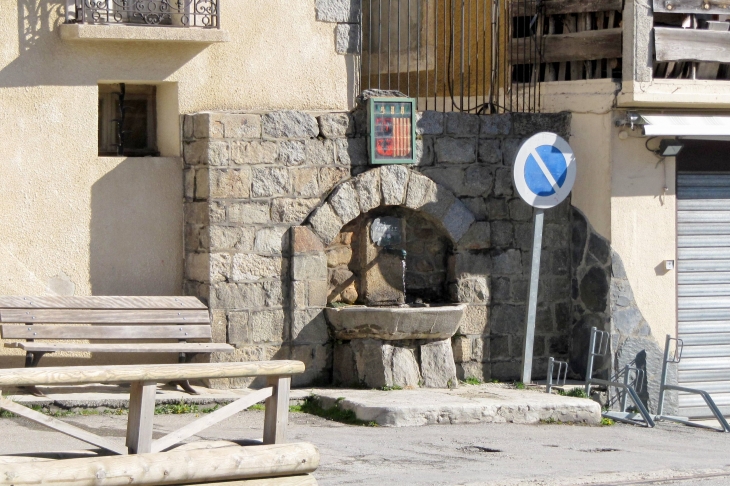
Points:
(138, 322)
(186, 465)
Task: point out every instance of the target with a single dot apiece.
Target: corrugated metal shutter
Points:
(703, 278)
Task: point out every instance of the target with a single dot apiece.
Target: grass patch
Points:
(385, 388)
(550, 421)
(575, 392)
(606, 422)
(519, 385)
(176, 408)
(313, 406)
(258, 406)
(473, 381)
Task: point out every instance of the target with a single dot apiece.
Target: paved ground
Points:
(453, 454)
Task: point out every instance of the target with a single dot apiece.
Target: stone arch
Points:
(391, 185)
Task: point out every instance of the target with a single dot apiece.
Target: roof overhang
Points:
(684, 125)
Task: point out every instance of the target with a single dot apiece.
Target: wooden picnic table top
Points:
(78, 375)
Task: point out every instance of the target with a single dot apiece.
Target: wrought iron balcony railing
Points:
(170, 13)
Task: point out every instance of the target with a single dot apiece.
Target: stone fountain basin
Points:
(395, 323)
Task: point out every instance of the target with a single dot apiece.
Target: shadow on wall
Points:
(44, 59)
(137, 228)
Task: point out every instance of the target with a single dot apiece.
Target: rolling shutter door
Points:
(703, 287)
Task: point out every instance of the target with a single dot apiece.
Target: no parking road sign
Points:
(544, 171)
(544, 174)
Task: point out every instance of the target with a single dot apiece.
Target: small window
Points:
(127, 120)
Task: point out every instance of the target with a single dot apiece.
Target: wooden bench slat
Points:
(78, 375)
(101, 302)
(125, 347)
(111, 316)
(32, 331)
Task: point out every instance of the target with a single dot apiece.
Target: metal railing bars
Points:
(169, 13)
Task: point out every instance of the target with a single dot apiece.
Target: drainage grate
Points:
(475, 448)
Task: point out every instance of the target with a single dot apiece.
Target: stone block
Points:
(507, 319)
(249, 266)
(503, 185)
(451, 178)
(437, 365)
(472, 369)
(238, 125)
(205, 152)
(497, 208)
(528, 124)
(455, 150)
(305, 182)
(249, 212)
(197, 267)
(344, 371)
(340, 255)
(202, 183)
(524, 233)
(520, 289)
(273, 240)
(474, 320)
(594, 289)
(207, 125)
(404, 367)
(345, 201)
(478, 237)
(238, 330)
(370, 362)
(510, 147)
(309, 267)
(196, 213)
(309, 326)
(300, 294)
(430, 123)
(329, 177)
(477, 205)
(421, 191)
(218, 326)
(368, 188)
(337, 10)
(232, 183)
(317, 293)
(424, 152)
(500, 290)
(319, 152)
(289, 124)
(507, 262)
(499, 347)
(189, 184)
(291, 153)
(335, 125)
(274, 295)
(468, 264)
(238, 296)
(495, 125)
(557, 236)
(188, 127)
(490, 151)
(519, 210)
(461, 124)
(317, 359)
(394, 184)
(470, 290)
(598, 247)
(506, 370)
(502, 234)
(295, 211)
(458, 220)
(269, 181)
(305, 241)
(462, 348)
(325, 223)
(255, 152)
(347, 39)
(216, 211)
(480, 349)
(267, 326)
(478, 181)
(351, 152)
(220, 267)
(192, 237)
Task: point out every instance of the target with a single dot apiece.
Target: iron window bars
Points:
(170, 13)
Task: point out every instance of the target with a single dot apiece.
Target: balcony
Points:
(195, 21)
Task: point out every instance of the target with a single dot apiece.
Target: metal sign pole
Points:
(532, 298)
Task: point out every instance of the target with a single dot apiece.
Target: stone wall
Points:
(267, 194)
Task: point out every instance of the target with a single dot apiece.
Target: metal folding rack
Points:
(599, 346)
(676, 358)
(561, 377)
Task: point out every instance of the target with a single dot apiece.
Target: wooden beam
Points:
(100, 302)
(211, 419)
(579, 46)
(110, 316)
(62, 427)
(171, 468)
(521, 8)
(691, 45)
(126, 347)
(716, 7)
(277, 410)
(141, 416)
(180, 331)
(78, 375)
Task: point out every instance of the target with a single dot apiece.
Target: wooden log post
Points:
(141, 415)
(277, 410)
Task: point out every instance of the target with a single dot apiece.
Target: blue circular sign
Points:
(544, 171)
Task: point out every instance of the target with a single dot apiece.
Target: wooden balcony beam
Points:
(691, 45)
(579, 46)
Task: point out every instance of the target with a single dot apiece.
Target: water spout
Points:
(395, 251)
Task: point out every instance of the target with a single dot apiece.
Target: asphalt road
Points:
(493, 454)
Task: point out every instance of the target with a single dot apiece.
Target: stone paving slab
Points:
(488, 403)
